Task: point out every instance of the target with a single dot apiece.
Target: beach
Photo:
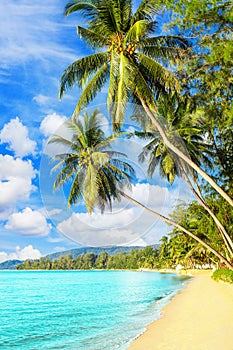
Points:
(200, 317)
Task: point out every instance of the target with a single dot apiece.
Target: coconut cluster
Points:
(130, 48)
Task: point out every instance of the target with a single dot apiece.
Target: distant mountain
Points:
(10, 264)
(96, 250)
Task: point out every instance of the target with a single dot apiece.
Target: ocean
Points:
(84, 310)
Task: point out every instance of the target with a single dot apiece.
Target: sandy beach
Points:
(199, 318)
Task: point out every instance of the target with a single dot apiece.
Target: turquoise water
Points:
(91, 310)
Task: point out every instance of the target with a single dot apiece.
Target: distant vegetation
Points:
(143, 258)
(179, 249)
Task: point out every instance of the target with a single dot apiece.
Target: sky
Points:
(37, 42)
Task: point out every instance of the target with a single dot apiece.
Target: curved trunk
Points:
(182, 155)
(173, 223)
(221, 228)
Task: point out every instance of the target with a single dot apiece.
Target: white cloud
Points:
(121, 227)
(15, 181)
(27, 252)
(127, 223)
(41, 99)
(51, 123)
(28, 223)
(31, 29)
(53, 212)
(15, 134)
(59, 249)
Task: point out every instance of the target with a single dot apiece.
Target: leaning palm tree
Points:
(186, 124)
(97, 173)
(132, 62)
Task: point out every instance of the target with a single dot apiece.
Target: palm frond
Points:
(138, 31)
(99, 159)
(124, 167)
(172, 41)
(66, 159)
(79, 137)
(126, 14)
(106, 142)
(146, 10)
(65, 174)
(106, 190)
(61, 140)
(153, 163)
(113, 80)
(108, 20)
(86, 7)
(93, 39)
(121, 94)
(157, 74)
(75, 192)
(142, 89)
(90, 189)
(80, 70)
(92, 88)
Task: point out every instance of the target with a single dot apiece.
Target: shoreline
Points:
(199, 317)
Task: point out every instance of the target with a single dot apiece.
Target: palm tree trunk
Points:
(182, 155)
(173, 223)
(221, 228)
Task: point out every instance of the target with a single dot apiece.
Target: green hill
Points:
(96, 250)
(9, 264)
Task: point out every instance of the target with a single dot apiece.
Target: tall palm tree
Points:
(133, 63)
(185, 125)
(98, 173)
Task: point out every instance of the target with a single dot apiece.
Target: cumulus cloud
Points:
(51, 123)
(120, 227)
(127, 223)
(15, 181)
(15, 134)
(27, 252)
(28, 223)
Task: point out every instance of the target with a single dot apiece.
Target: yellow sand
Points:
(198, 318)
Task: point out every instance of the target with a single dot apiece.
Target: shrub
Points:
(225, 275)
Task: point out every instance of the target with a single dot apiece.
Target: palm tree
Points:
(184, 124)
(98, 173)
(133, 63)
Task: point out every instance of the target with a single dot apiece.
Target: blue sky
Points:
(37, 42)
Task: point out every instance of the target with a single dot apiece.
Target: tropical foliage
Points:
(134, 63)
(181, 249)
(208, 74)
(185, 126)
(97, 173)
